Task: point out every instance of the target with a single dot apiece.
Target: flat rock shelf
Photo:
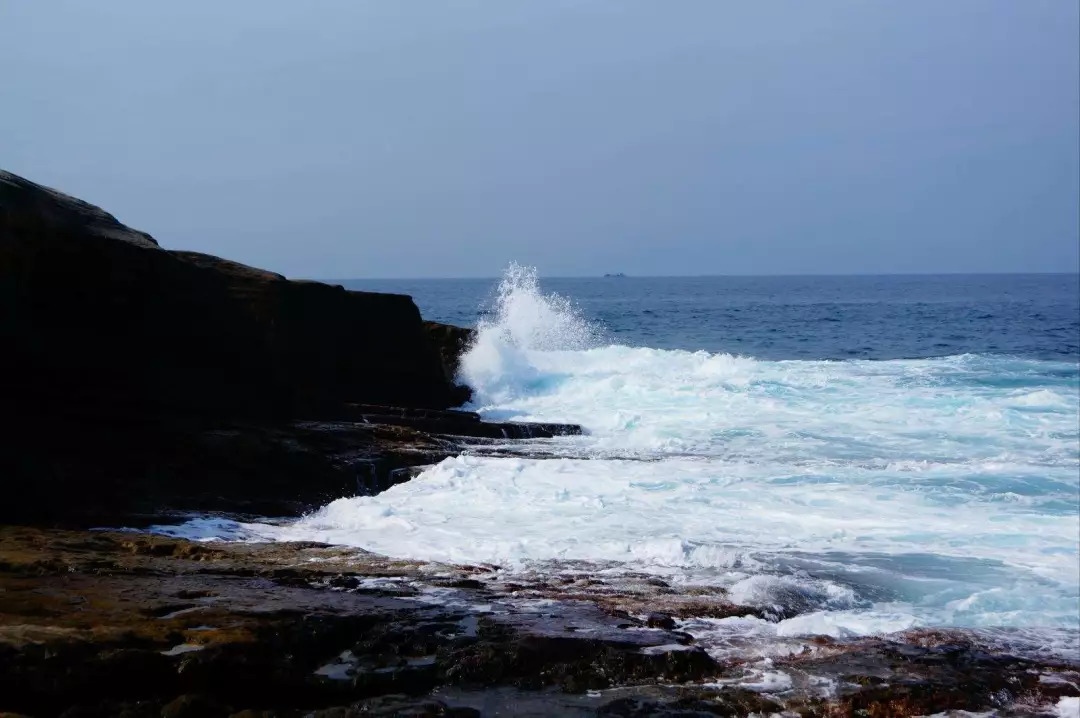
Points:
(96, 623)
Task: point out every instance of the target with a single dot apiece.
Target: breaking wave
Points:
(850, 497)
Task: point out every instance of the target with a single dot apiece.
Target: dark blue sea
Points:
(874, 317)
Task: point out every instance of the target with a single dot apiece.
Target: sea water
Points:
(858, 455)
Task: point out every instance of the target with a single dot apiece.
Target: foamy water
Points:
(863, 496)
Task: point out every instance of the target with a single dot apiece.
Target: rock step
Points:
(406, 412)
(455, 423)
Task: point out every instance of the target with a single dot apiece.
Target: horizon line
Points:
(705, 276)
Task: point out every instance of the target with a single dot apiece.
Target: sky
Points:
(351, 138)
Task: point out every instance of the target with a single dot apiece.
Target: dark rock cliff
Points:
(96, 317)
(452, 342)
(141, 379)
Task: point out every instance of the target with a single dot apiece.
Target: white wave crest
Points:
(524, 320)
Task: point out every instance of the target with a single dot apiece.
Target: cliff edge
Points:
(96, 317)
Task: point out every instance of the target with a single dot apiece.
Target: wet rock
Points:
(103, 472)
(260, 644)
(108, 624)
(397, 705)
(728, 703)
(660, 620)
(193, 706)
(454, 423)
(892, 677)
(572, 662)
(345, 582)
(452, 342)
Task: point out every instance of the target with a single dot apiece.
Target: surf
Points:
(850, 497)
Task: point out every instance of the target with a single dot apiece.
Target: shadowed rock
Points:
(143, 379)
(98, 318)
(452, 342)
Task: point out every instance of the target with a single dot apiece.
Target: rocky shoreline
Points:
(143, 380)
(133, 624)
(145, 386)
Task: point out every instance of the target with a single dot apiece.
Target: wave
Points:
(522, 321)
(851, 496)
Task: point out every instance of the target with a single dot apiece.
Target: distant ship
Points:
(617, 274)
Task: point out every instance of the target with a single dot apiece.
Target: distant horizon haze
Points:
(582, 137)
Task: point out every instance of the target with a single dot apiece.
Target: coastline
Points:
(152, 385)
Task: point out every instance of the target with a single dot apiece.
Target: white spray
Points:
(524, 319)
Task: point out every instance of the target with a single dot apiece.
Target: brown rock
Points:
(91, 627)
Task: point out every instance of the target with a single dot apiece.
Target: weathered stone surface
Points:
(105, 624)
(29, 208)
(96, 620)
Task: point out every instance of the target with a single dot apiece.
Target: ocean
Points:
(1035, 316)
(855, 455)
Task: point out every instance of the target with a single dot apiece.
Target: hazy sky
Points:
(341, 138)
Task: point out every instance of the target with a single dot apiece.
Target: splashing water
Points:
(524, 320)
(856, 497)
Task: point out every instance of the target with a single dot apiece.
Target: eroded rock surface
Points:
(101, 624)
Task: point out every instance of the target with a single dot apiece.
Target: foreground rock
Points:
(106, 624)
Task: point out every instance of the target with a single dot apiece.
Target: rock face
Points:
(96, 317)
(138, 379)
(452, 342)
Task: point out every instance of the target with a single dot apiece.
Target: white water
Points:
(865, 496)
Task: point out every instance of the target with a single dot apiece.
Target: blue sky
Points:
(341, 138)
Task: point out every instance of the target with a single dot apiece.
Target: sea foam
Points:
(853, 497)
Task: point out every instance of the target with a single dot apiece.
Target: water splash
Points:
(841, 497)
(523, 320)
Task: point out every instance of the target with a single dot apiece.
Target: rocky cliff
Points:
(96, 317)
(142, 380)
